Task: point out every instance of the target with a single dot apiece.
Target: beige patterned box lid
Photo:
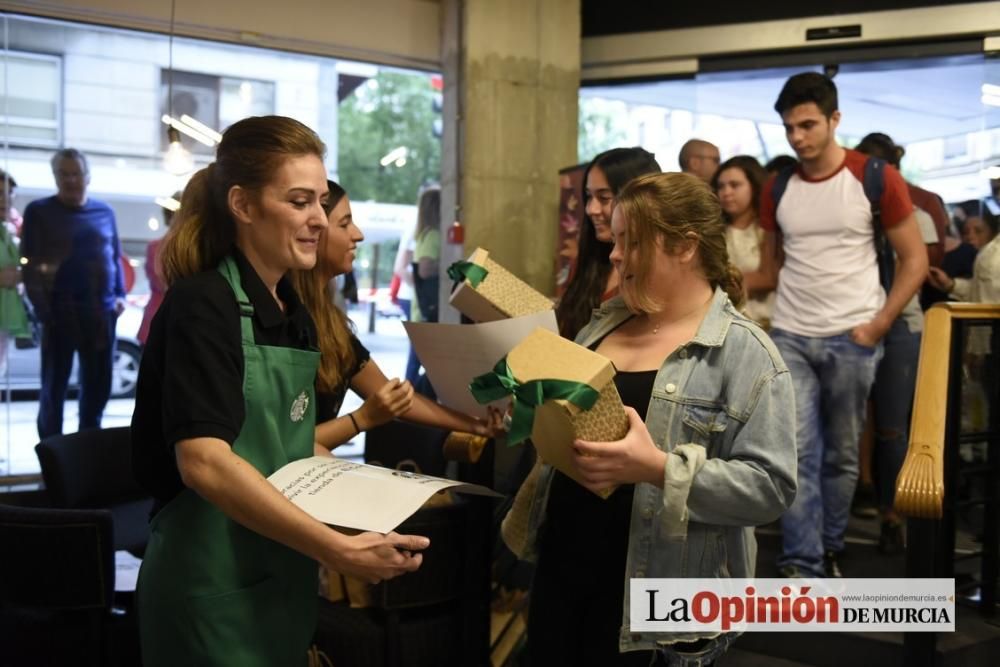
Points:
(499, 296)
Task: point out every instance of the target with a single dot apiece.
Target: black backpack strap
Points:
(873, 182)
(778, 187)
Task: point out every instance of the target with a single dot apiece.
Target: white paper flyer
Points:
(360, 496)
(454, 354)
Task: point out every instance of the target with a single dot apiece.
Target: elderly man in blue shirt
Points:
(73, 276)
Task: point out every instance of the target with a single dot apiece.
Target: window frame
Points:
(7, 122)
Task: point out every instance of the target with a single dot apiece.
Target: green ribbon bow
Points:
(460, 271)
(500, 382)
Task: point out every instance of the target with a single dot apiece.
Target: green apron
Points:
(212, 592)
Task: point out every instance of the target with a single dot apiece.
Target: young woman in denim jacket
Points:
(706, 377)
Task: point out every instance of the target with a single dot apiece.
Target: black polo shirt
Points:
(191, 377)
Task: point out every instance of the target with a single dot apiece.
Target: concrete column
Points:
(512, 77)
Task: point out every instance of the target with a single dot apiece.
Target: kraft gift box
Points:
(489, 292)
(559, 365)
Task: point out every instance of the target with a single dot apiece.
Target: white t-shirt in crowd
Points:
(829, 281)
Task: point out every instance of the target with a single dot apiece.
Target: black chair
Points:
(437, 616)
(57, 587)
(93, 469)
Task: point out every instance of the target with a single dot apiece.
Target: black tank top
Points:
(583, 532)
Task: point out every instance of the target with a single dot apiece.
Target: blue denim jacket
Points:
(729, 391)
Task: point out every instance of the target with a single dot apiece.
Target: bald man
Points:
(700, 158)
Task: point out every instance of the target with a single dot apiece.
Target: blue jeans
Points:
(412, 363)
(832, 377)
(413, 366)
(892, 398)
(90, 335)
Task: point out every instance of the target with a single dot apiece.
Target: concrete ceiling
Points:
(632, 16)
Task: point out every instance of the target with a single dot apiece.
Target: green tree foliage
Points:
(392, 109)
(602, 126)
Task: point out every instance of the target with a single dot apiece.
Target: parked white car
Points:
(26, 364)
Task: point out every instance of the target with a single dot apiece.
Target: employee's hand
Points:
(374, 557)
(391, 400)
(633, 459)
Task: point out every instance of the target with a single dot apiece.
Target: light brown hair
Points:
(428, 211)
(251, 151)
(677, 209)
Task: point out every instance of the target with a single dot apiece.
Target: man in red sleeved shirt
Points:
(831, 312)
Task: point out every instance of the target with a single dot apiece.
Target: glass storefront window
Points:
(104, 91)
(239, 98)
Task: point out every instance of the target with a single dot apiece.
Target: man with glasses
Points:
(73, 276)
(700, 158)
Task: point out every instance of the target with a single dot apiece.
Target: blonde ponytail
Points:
(199, 236)
(677, 208)
(732, 284)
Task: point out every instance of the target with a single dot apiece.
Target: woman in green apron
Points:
(225, 398)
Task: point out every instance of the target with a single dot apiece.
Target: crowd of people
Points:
(752, 314)
(816, 268)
